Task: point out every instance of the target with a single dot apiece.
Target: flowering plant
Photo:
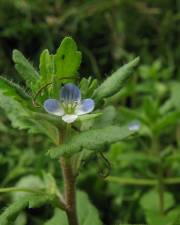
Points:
(38, 111)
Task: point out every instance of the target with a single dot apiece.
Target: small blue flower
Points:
(70, 105)
(134, 126)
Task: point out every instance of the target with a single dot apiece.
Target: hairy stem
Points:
(69, 184)
(69, 190)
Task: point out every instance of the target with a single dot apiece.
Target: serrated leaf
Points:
(91, 139)
(25, 69)
(88, 214)
(115, 82)
(67, 59)
(57, 69)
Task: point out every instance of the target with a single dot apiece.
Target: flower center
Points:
(69, 107)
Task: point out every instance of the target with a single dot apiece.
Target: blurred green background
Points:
(109, 33)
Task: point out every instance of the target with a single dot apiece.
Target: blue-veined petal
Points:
(69, 118)
(86, 106)
(70, 93)
(53, 106)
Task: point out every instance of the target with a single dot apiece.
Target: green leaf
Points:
(171, 218)
(43, 194)
(11, 212)
(58, 218)
(21, 117)
(116, 81)
(12, 103)
(47, 76)
(25, 69)
(50, 183)
(150, 201)
(47, 69)
(14, 110)
(87, 213)
(169, 119)
(89, 116)
(57, 69)
(17, 110)
(36, 201)
(67, 59)
(12, 89)
(29, 181)
(108, 115)
(87, 87)
(91, 139)
(44, 127)
(175, 95)
(21, 219)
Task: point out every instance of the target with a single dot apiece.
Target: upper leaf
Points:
(92, 140)
(57, 69)
(47, 69)
(115, 82)
(12, 89)
(24, 68)
(67, 59)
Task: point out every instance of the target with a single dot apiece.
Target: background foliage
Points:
(108, 33)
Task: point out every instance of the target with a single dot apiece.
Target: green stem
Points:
(142, 182)
(11, 189)
(160, 185)
(173, 180)
(161, 188)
